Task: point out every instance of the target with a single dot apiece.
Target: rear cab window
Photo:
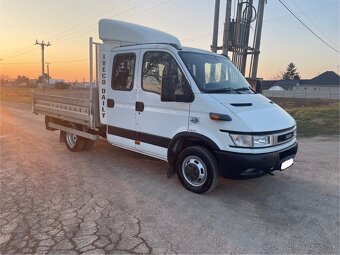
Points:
(123, 71)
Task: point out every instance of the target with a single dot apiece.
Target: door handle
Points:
(139, 106)
(110, 103)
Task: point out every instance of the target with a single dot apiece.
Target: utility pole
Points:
(258, 31)
(48, 72)
(215, 29)
(42, 44)
(226, 28)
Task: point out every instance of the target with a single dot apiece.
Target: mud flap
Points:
(171, 169)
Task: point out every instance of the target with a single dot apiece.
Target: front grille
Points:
(285, 137)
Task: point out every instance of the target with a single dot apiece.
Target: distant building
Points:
(326, 85)
(276, 88)
(54, 81)
(326, 82)
(285, 84)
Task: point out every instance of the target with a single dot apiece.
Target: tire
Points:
(73, 142)
(197, 169)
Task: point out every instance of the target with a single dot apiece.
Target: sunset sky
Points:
(67, 24)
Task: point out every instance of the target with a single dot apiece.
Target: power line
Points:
(86, 21)
(70, 61)
(22, 63)
(313, 23)
(148, 9)
(330, 46)
(68, 37)
(284, 17)
(24, 51)
(19, 54)
(16, 52)
(92, 29)
(267, 22)
(54, 62)
(197, 37)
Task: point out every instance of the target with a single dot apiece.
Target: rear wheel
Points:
(74, 142)
(197, 169)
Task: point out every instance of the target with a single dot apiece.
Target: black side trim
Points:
(257, 133)
(140, 136)
(122, 132)
(155, 140)
(241, 104)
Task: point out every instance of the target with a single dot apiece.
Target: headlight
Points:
(242, 140)
(251, 141)
(262, 141)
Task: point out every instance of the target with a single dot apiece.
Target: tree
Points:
(21, 80)
(291, 72)
(4, 79)
(46, 77)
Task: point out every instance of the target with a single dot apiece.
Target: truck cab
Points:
(187, 106)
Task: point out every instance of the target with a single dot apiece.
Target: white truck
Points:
(189, 107)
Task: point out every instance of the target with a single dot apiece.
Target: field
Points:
(21, 95)
(315, 117)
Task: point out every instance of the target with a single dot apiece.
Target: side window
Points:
(123, 71)
(160, 65)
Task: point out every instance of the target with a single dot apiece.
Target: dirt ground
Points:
(109, 200)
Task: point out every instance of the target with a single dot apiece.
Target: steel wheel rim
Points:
(194, 171)
(71, 139)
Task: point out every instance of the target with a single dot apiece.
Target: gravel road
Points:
(109, 200)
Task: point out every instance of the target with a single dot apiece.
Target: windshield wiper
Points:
(221, 90)
(243, 89)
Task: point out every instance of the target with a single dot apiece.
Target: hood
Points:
(258, 112)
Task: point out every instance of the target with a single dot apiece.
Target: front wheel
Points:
(197, 169)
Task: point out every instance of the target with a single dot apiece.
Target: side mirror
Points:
(168, 92)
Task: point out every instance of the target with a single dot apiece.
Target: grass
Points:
(16, 94)
(315, 117)
(23, 95)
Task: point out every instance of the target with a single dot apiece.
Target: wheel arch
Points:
(185, 139)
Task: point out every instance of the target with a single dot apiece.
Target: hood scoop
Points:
(241, 104)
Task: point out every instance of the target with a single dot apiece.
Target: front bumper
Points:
(238, 164)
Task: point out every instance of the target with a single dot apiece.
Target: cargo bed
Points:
(76, 106)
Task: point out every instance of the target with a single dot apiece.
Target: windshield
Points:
(215, 74)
